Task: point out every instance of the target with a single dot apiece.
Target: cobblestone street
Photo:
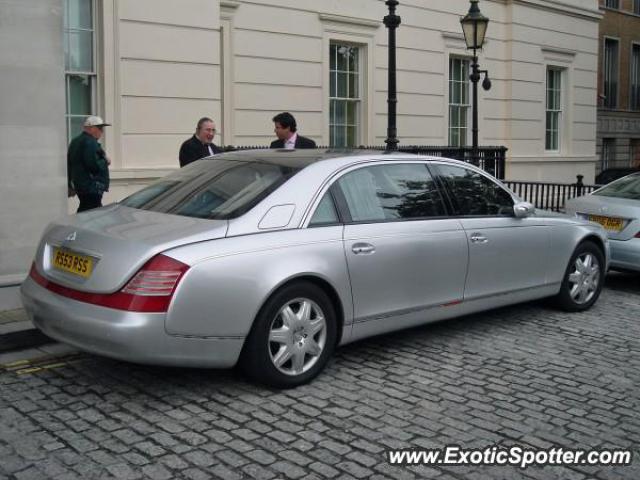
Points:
(526, 375)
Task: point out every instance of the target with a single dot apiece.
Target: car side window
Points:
(325, 213)
(391, 192)
(474, 194)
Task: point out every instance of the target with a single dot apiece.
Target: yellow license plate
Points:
(71, 262)
(609, 223)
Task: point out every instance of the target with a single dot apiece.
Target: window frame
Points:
(339, 206)
(357, 101)
(634, 76)
(340, 201)
(612, 4)
(467, 107)
(611, 104)
(607, 153)
(558, 112)
(451, 204)
(92, 74)
(634, 152)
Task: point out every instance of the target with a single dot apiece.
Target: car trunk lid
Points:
(616, 215)
(99, 251)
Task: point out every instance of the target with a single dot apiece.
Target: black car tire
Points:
(261, 353)
(576, 282)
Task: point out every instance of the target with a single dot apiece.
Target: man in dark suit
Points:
(285, 130)
(201, 144)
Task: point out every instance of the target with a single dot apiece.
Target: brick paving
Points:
(525, 375)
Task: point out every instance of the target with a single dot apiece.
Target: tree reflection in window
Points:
(474, 194)
(391, 192)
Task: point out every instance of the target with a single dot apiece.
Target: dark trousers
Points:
(89, 201)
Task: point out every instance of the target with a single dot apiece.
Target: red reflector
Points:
(451, 304)
(150, 290)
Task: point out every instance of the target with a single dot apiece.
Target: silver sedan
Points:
(617, 207)
(273, 258)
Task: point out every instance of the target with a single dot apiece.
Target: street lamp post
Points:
(474, 27)
(392, 21)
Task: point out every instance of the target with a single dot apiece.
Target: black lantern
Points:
(474, 26)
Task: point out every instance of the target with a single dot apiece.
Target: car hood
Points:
(120, 240)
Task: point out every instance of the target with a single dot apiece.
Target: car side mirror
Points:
(523, 209)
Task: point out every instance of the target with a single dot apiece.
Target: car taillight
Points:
(150, 290)
(158, 278)
(637, 235)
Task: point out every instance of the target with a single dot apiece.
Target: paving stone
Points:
(525, 375)
(261, 457)
(258, 472)
(157, 472)
(200, 458)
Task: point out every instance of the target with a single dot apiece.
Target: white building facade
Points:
(152, 68)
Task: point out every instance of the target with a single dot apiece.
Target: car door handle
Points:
(363, 248)
(478, 238)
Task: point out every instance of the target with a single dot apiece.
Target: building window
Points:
(634, 103)
(79, 63)
(612, 4)
(458, 101)
(608, 152)
(636, 7)
(554, 109)
(344, 96)
(635, 153)
(610, 73)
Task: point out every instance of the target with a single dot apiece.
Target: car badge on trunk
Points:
(602, 209)
(71, 237)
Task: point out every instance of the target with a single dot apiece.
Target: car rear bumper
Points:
(130, 336)
(625, 254)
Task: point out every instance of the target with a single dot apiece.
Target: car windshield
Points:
(214, 189)
(627, 187)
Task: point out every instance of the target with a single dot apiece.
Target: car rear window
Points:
(213, 189)
(627, 187)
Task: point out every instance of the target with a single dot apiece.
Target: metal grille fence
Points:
(549, 196)
(490, 159)
(544, 195)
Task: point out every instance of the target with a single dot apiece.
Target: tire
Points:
(583, 278)
(292, 337)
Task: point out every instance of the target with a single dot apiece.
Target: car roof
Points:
(301, 158)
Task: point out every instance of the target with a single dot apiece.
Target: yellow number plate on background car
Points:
(613, 224)
(72, 262)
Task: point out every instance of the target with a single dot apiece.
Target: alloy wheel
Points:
(584, 278)
(297, 336)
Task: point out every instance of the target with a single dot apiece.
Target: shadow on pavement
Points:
(623, 282)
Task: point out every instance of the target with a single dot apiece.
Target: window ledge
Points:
(229, 4)
(326, 17)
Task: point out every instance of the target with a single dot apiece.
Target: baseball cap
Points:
(94, 121)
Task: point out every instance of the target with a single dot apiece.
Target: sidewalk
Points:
(17, 332)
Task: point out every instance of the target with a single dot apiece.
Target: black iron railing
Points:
(549, 196)
(490, 159)
(545, 195)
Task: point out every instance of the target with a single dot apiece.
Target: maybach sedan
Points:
(271, 259)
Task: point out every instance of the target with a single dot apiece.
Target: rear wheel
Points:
(292, 338)
(583, 278)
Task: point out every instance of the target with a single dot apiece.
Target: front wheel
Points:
(292, 338)
(583, 278)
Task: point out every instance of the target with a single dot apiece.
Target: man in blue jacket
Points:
(88, 165)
